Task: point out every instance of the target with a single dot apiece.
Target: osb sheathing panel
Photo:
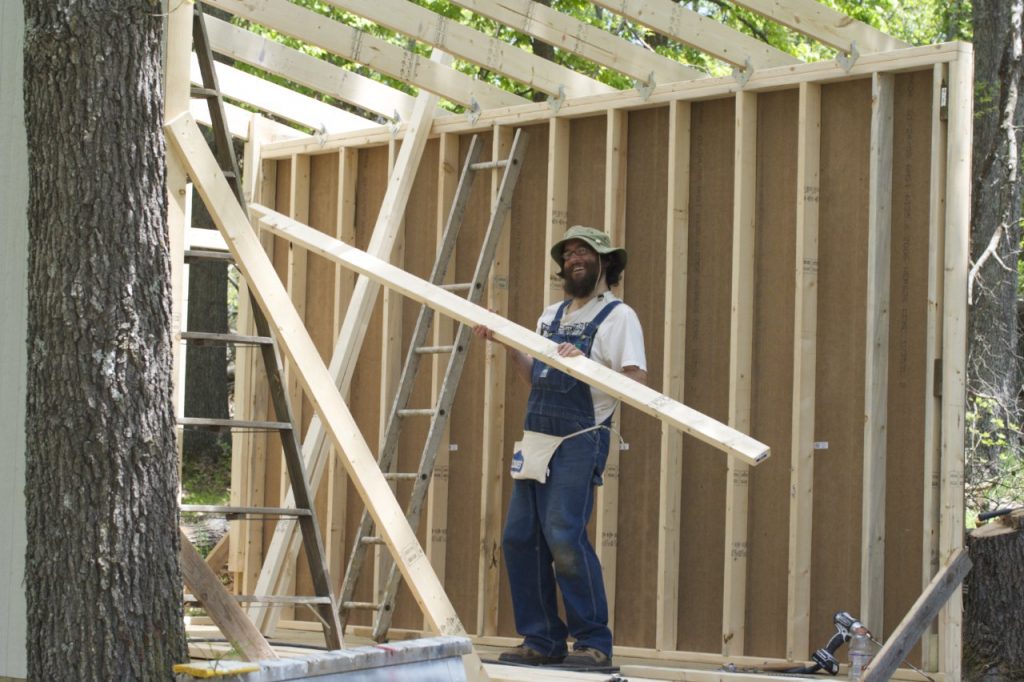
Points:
(839, 408)
(525, 300)
(904, 512)
(643, 287)
(839, 392)
(772, 378)
(702, 498)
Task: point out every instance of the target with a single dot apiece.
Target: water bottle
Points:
(861, 653)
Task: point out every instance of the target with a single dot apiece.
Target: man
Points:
(545, 539)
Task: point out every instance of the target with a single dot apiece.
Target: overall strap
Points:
(600, 317)
(555, 323)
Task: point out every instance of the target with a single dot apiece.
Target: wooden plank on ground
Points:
(741, 339)
(285, 544)
(920, 615)
(670, 480)
(222, 608)
(645, 399)
(377, 54)
(189, 144)
(805, 334)
(954, 346)
(876, 349)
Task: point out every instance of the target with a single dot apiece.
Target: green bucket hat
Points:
(594, 238)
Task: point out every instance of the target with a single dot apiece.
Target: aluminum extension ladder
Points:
(323, 604)
(440, 412)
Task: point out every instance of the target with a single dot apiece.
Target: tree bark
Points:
(102, 578)
(994, 370)
(993, 602)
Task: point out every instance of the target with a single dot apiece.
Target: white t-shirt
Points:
(619, 341)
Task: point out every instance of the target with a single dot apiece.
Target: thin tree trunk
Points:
(994, 368)
(102, 579)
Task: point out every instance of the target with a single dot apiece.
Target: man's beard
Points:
(584, 286)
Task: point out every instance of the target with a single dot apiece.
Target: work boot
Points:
(524, 655)
(586, 657)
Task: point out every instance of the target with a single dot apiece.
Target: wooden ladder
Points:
(439, 413)
(323, 604)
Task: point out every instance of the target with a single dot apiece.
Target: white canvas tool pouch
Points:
(531, 455)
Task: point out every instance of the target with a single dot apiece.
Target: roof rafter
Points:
(589, 42)
(363, 48)
(825, 24)
(703, 33)
(299, 67)
(281, 101)
(472, 45)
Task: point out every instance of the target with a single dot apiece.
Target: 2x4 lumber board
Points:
(920, 615)
(222, 608)
(876, 348)
(954, 347)
(305, 69)
(805, 334)
(443, 334)
(317, 381)
(344, 285)
(705, 34)
(741, 339)
(362, 48)
(176, 101)
(669, 481)
(589, 42)
(707, 88)
(645, 399)
(821, 22)
(472, 45)
(285, 545)
(557, 218)
(607, 500)
(281, 101)
(933, 351)
(495, 378)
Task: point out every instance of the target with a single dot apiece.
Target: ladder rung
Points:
(193, 255)
(229, 424)
(466, 286)
(487, 165)
(243, 511)
(267, 599)
(366, 605)
(198, 91)
(213, 338)
(421, 412)
(372, 540)
(426, 350)
(398, 476)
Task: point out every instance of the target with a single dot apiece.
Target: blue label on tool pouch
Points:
(517, 461)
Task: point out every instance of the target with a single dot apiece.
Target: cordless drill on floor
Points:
(825, 657)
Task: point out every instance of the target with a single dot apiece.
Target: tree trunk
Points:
(102, 579)
(993, 602)
(994, 371)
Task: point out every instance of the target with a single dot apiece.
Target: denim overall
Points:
(547, 522)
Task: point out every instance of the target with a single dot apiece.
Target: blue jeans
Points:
(545, 542)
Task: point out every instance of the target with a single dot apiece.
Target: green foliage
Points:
(994, 466)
